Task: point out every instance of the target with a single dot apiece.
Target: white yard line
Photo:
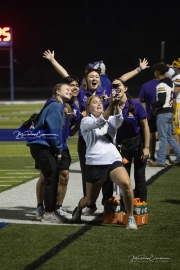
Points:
(22, 173)
(22, 102)
(13, 181)
(16, 156)
(15, 170)
(14, 177)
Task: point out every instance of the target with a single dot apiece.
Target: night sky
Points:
(82, 32)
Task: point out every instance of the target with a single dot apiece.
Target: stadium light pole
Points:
(162, 51)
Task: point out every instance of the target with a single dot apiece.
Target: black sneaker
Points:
(76, 215)
(152, 158)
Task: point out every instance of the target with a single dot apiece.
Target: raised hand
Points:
(104, 97)
(143, 64)
(48, 55)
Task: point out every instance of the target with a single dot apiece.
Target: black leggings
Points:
(47, 163)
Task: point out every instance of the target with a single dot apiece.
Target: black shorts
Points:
(152, 126)
(65, 161)
(63, 164)
(100, 173)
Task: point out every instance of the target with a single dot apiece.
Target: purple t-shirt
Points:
(83, 96)
(105, 80)
(148, 93)
(131, 125)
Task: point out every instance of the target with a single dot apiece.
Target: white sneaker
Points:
(89, 211)
(52, 218)
(168, 162)
(39, 212)
(131, 224)
(63, 213)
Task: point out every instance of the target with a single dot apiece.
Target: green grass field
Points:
(94, 246)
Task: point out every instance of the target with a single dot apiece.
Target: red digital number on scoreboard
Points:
(5, 36)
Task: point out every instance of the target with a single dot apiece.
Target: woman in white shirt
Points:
(103, 160)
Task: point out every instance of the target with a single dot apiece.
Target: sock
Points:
(58, 206)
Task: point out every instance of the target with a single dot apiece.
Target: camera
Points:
(115, 86)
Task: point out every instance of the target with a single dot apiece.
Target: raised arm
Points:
(142, 65)
(50, 56)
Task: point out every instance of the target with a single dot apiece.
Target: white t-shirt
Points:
(99, 150)
(164, 88)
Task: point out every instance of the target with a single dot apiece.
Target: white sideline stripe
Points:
(35, 222)
(22, 102)
(17, 156)
(9, 177)
(14, 170)
(11, 181)
(22, 173)
(9, 145)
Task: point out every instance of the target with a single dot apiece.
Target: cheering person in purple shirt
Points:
(89, 88)
(133, 137)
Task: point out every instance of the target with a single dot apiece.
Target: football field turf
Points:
(94, 245)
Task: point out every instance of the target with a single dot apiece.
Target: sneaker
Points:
(176, 163)
(131, 224)
(76, 215)
(155, 164)
(149, 160)
(62, 212)
(53, 218)
(152, 158)
(169, 162)
(89, 211)
(39, 212)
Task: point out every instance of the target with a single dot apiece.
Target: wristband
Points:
(138, 69)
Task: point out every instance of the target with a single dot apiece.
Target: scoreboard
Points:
(6, 43)
(5, 37)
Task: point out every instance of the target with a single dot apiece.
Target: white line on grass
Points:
(22, 102)
(9, 145)
(14, 177)
(15, 170)
(17, 156)
(22, 173)
(11, 181)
